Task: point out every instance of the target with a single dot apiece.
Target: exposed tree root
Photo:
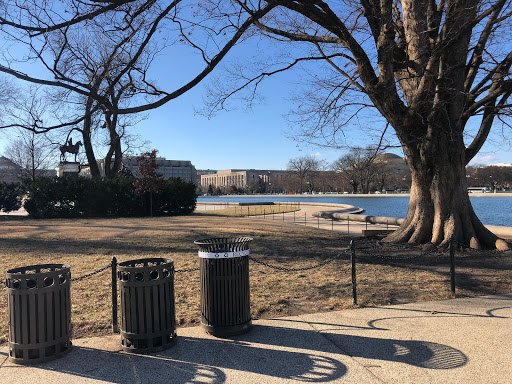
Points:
(423, 227)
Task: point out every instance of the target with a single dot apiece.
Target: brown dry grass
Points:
(89, 244)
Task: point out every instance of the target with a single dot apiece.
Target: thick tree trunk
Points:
(86, 136)
(439, 207)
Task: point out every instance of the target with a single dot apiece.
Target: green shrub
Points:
(177, 197)
(83, 197)
(11, 195)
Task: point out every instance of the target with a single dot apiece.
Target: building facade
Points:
(167, 168)
(242, 178)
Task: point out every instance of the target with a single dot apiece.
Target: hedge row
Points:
(84, 197)
(11, 195)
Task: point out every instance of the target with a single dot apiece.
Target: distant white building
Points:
(167, 168)
(9, 172)
(241, 178)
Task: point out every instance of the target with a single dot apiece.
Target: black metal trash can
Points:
(225, 296)
(148, 315)
(39, 305)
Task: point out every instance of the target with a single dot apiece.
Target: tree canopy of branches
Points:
(305, 170)
(359, 168)
(149, 181)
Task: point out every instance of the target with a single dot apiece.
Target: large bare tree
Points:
(427, 67)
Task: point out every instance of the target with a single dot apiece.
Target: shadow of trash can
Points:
(225, 296)
(148, 315)
(39, 305)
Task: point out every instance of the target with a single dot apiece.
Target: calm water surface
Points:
(492, 210)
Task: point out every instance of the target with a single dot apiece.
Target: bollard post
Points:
(348, 224)
(115, 327)
(283, 216)
(387, 224)
(264, 211)
(248, 211)
(318, 219)
(366, 223)
(353, 268)
(305, 223)
(452, 267)
(332, 223)
(293, 217)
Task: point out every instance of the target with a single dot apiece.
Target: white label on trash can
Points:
(223, 255)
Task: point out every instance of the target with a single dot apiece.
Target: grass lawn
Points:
(89, 244)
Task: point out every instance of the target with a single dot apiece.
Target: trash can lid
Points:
(224, 244)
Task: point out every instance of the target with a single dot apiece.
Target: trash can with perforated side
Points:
(148, 315)
(39, 306)
(225, 296)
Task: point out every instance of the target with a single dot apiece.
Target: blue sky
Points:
(239, 138)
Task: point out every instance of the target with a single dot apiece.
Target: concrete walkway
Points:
(452, 341)
(306, 216)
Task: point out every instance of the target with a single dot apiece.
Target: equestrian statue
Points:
(70, 148)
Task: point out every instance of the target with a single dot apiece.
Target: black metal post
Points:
(354, 276)
(115, 327)
(293, 217)
(452, 267)
(264, 211)
(366, 222)
(348, 224)
(305, 223)
(318, 219)
(283, 216)
(332, 223)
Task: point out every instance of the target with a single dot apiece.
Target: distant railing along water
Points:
(492, 210)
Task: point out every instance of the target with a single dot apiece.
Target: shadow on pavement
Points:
(417, 353)
(197, 360)
(303, 355)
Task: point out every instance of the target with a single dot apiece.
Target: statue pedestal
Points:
(66, 168)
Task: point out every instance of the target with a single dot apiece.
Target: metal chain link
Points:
(285, 269)
(186, 270)
(92, 273)
(365, 251)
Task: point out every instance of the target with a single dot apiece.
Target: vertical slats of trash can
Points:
(147, 306)
(39, 316)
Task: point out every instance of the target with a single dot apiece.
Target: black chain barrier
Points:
(285, 269)
(373, 252)
(186, 270)
(92, 273)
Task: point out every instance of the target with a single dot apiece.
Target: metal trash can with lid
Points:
(148, 315)
(39, 305)
(225, 296)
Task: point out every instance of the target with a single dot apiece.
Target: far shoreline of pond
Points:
(322, 195)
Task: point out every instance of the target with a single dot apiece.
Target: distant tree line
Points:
(358, 171)
(493, 177)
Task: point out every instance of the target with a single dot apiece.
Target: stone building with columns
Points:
(243, 178)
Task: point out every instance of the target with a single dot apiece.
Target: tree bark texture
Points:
(439, 207)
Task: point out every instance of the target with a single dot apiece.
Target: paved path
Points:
(452, 341)
(305, 217)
